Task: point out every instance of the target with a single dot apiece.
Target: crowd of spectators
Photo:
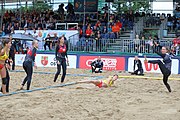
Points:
(12, 20)
(96, 25)
(173, 23)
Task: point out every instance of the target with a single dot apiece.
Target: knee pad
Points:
(4, 81)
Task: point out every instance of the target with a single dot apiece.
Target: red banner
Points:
(110, 63)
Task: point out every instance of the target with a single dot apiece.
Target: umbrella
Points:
(19, 36)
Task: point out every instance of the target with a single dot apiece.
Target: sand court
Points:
(129, 99)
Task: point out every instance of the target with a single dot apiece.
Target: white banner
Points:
(42, 34)
(46, 60)
(148, 67)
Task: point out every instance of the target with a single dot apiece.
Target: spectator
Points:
(111, 21)
(116, 30)
(26, 24)
(48, 42)
(118, 23)
(142, 45)
(48, 25)
(157, 42)
(66, 42)
(88, 20)
(88, 32)
(95, 30)
(110, 29)
(55, 40)
(98, 23)
(105, 17)
(70, 8)
(39, 25)
(34, 33)
(176, 44)
(105, 30)
(61, 11)
(130, 19)
(25, 31)
(12, 52)
(170, 23)
(149, 43)
(8, 30)
(99, 27)
(80, 32)
(98, 41)
(105, 8)
(16, 26)
(137, 44)
(12, 30)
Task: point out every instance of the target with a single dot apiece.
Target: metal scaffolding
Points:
(2, 9)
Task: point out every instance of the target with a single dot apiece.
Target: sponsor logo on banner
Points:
(19, 59)
(109, 63)
(149, 67)
(53, 62)
(44, 60)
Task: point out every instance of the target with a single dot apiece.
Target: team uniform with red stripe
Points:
(28, 66)
(61, 55)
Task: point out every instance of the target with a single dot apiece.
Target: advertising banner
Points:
(90, 5)
(110, 63)
(148, 67)
(45, 60)
(42, 34)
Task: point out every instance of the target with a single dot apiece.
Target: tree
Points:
(134, 5)
(37, 6)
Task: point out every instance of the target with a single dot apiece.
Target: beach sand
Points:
(128, 99)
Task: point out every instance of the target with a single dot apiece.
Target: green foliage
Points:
(40, 7)
(123, 6)
(147, 33)
(37, 7)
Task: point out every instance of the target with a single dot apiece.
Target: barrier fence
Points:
(110, 62)
(91, 45)
(143, 46)
(119, 45)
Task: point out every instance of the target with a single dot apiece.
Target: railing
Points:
(73, 39)
(90, 45)
(143, 46)
(117, 45)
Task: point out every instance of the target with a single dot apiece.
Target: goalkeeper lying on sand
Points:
(102, 83)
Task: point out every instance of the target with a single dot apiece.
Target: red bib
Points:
(62, 49)
(30, 53)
